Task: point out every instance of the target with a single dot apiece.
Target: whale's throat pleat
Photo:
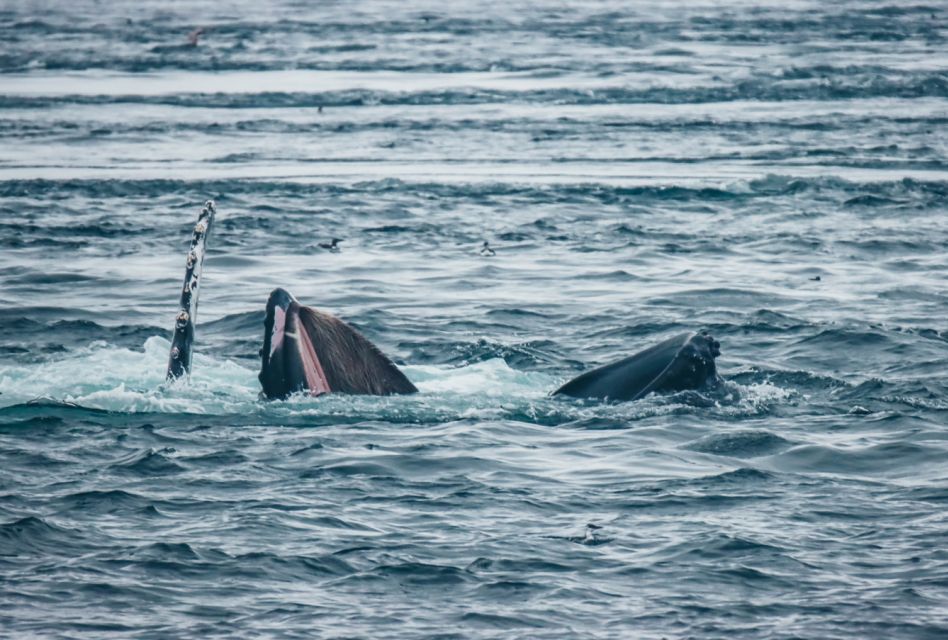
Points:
(316, 381)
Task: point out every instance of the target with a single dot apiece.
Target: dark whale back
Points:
(685, 361)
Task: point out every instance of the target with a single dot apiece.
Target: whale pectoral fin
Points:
(182, 338)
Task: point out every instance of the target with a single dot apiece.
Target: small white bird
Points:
(487, 251)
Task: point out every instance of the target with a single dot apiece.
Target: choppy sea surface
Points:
(773, 173)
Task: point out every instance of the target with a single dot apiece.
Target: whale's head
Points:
(313, 352)
(694, 365)
(288, 359)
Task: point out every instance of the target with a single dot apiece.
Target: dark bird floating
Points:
(332, 246)
(195, 36)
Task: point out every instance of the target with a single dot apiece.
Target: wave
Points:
(35, 536)
(924, 193)
(740, 444)
(42, 332)
(116, 380)
(907, 86)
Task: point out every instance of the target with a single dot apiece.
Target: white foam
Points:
(764, 393)
(103, 376)
(491, 378)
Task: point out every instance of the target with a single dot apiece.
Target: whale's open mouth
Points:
(290, 361)
(279, 330)
(305, 350)
(302, 345)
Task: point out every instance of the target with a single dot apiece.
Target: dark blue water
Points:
(775, 174)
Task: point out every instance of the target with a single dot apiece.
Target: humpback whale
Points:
(685, 361)
(304, 350)
(310, 351)
(314, 352)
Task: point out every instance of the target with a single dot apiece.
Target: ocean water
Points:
(774, 173)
